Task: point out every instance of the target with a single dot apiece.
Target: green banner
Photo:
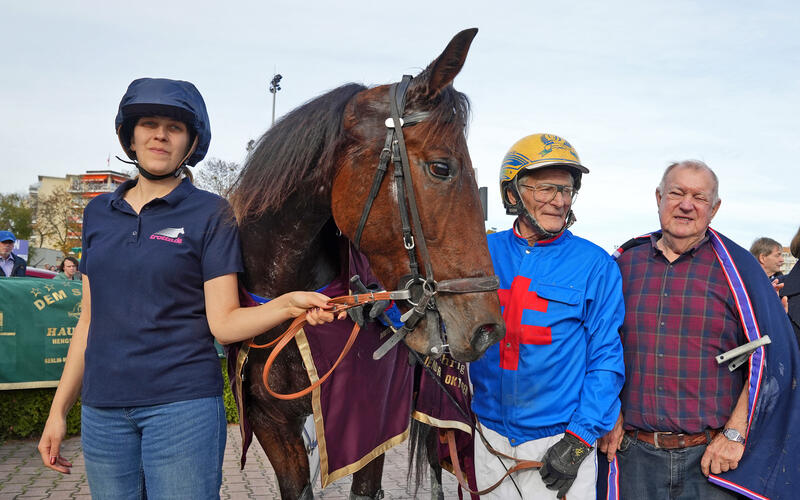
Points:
(37, 317)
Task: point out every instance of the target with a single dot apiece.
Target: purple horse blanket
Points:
(365, 407)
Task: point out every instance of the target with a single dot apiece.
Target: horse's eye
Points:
(439, 169)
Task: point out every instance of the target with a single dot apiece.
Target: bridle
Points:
(421, 289)
(417, 289)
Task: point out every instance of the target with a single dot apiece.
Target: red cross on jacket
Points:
(514, 301)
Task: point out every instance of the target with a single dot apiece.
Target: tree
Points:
(58, 220)
(217, 176)
(16, 215)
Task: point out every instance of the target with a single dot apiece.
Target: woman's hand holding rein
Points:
(316, 307)
(230, 322)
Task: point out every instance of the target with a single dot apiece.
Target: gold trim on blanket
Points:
(446, 465)
(369, 457)
(327, 477)
(442, 424)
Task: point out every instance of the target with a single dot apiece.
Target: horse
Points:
(306, 187)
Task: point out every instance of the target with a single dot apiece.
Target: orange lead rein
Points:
(341, 303)
(519, 465)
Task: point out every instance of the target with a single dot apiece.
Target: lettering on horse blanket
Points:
(436, 409)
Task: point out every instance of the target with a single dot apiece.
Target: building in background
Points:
(95, 182)
(58, 204)
(85, 187)
(46, 188)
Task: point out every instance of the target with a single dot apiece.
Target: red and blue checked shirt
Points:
(678, 317)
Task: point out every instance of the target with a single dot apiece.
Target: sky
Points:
(632, 85)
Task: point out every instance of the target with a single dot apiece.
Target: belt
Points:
(671, 440)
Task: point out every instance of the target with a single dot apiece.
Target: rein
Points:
(341, 303)
(519, 464)
(345, 302)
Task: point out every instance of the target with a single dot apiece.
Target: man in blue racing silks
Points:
(550, 388)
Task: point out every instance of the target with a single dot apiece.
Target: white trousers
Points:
(488, 469)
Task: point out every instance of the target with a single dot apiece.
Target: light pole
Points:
(274, 87)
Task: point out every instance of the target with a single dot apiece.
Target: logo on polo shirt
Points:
(170, 234)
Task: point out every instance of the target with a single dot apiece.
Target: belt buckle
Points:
(655, 438)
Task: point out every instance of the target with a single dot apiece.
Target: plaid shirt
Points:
(678, 317)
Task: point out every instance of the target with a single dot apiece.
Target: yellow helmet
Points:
(534, 152)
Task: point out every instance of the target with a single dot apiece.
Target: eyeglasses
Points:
(546, 192)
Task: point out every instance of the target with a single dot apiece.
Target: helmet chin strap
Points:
(147, 175)
(537, 228)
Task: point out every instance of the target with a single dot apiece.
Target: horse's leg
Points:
(286, 452)
(437, 493)
(367, 481)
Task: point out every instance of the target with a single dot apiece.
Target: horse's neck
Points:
(290, 250)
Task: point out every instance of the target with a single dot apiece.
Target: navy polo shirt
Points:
(149, 340)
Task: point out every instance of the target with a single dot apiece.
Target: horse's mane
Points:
(299, 148)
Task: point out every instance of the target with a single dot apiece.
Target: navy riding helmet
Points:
(163, 97)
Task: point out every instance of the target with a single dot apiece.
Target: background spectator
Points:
(68, 270)
(768, 253)
(10, 264)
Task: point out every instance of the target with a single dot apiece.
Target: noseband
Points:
(421, 288)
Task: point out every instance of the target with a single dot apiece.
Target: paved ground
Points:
(23, 476)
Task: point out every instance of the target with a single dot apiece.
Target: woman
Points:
(159, 267)
(791, 287)
(68, 269)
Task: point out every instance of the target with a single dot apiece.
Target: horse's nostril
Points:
(486, 335)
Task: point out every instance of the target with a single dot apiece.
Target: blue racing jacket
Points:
(560, 366)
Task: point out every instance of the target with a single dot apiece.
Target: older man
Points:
(550, 388)
(768, 253)
(691, 294)
(10, 264)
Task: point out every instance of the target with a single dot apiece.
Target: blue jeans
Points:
(647, 472)
(171, 450)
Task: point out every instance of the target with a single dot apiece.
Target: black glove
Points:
(367, 312)
(561, 462)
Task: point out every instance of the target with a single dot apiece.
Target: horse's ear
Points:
(441, 72)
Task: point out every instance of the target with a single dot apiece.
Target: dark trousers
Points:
(649, 473)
